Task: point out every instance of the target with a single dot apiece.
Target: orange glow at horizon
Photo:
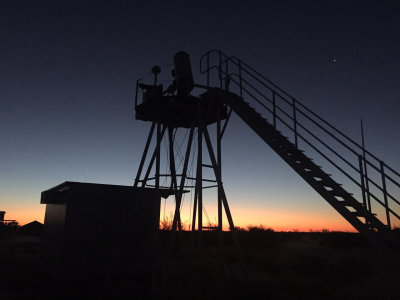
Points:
(24, 215)
(278, 220)
(289, 221)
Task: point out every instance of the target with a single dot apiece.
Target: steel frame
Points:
(158, 132)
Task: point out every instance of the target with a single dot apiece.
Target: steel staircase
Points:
(371, 215)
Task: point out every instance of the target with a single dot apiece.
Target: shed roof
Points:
(59, 193)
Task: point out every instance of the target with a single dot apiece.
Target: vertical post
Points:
(240, 79)
(158, 158)
(199, 179)
(294, 121)
(157, 183)
(157, 195)
(218, 177)
(360, 163)
(208, 70)
(194, 207)
(385, 194)
(274, 108)
(365, 169)
(219, 160)
(179, 192)
(227, 77)
(219, 180)
(172, 168)
(136, 92)
(220, 69)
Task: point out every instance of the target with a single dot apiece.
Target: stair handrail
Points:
(241, 63)
(224, 60)
(387, 194)
(369, 193)
(304, 139)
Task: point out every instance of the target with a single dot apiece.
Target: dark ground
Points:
(273, 265)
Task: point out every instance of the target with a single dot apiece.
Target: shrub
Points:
(259, 228)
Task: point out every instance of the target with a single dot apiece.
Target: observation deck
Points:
(182, 111)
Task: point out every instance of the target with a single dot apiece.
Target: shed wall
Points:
(54, 221)
(104, 230)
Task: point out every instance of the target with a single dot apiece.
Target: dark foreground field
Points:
(270, 265)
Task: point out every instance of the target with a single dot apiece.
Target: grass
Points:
(277, 265)
(270, 265)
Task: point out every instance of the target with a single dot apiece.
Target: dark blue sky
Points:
(68, 72)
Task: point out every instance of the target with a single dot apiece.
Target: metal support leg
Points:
(385, 195)
(158, 148)
(218, 177)
(183, 179)
(219, 160)
(146, 149)
(223, 195)
(172, 168)
(362, 180)
(194, 208)
(199, 179)
(153, 158)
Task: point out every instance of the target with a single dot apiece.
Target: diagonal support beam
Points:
(172, 168)
(179, 195)
(218, 177)
(221, 132)
(153, 158)
(146, 149)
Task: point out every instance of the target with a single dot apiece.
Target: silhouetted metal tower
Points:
(172, 109)
(285, 125)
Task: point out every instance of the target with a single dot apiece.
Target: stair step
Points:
(312, 168)
(336, 185)
(340, 193)
(357, 214)
(311, 164)
(345, 203)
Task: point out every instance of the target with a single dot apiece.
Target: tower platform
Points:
(182, 111)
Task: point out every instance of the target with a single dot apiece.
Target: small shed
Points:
(100, 229)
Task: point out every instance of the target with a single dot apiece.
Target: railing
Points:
(371, 180)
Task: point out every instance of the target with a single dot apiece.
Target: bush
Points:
(259, 228)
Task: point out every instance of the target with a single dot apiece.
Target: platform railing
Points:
(377, 184)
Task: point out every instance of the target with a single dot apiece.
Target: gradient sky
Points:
(67, 80)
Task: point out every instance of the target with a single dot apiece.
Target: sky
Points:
(67, 83)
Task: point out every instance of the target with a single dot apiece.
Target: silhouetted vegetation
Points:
(166, 222)
(270, 265)
(259, 228)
